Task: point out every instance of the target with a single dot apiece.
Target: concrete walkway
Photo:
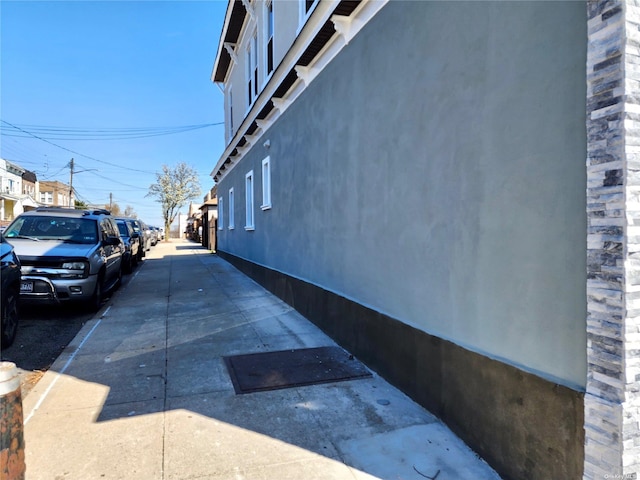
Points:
(143, 393)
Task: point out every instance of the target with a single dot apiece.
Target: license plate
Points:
(26, 287)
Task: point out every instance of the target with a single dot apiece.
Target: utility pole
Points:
(71, 172)
(70, 183)
(110, 201)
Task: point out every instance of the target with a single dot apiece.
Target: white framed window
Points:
(230, 111)
(252, 69)
(268, 38)
(220, 213)
(46, 198)
(248, 198)
(266, 184)
(232, 219)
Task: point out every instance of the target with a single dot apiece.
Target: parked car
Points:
(146, 236)
(10, 278)
(131, 240)
(67, 255)
(153, 234)
(145, 240)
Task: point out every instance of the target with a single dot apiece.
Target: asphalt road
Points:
(43, 334)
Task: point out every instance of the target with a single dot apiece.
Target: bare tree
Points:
(130, 212)
(114, 208)
(174, 187)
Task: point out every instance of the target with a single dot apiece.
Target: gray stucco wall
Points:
(435, 171)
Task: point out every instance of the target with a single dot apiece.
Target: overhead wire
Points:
(73, 151)
(47, 133)
(72, 133)
(30, 134)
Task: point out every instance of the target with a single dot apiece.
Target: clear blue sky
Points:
(95, 67)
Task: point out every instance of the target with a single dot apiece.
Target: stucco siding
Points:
(435, 172)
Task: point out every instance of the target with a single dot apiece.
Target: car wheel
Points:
(96, 298)
(10, 320)
(127, 264)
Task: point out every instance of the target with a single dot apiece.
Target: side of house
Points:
(411, 177)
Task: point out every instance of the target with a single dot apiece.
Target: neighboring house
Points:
(55, 193)
(29, 182)
(209, 218)
(411, 177)
(13, 198)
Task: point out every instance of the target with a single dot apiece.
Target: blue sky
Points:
(106, 65)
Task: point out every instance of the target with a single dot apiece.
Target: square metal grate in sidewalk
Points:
(257, 372)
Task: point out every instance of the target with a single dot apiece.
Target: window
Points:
(248, 196)
(220, 213)
(230, 107)
(46, 198)
(232, 219)
(266, 184)
(269, 37)
(252, 69)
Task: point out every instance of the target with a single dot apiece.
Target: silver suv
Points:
(67, 255)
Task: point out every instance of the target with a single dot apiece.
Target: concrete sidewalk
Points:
(143, 393)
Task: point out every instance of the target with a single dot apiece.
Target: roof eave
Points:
(234, 18)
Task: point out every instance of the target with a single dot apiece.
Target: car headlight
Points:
(74, 269)
(73, 265)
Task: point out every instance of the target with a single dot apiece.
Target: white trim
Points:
(229, 123)
(252, 90)
(250, 221)
(230, 48)
(267, 27)
(266, 184)
(304, 14)
(347, 27)
(249, 8)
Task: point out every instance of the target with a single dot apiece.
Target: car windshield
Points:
(72, 230)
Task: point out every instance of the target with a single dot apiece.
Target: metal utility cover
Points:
(257, 372)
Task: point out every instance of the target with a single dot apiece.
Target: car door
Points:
(112, 250)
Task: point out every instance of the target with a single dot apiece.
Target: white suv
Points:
(67, 254)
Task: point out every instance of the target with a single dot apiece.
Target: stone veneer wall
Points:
(612, 399)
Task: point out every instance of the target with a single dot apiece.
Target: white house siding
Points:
(434, 172)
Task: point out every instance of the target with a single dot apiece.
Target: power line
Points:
(70, 133)
(73, 151)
